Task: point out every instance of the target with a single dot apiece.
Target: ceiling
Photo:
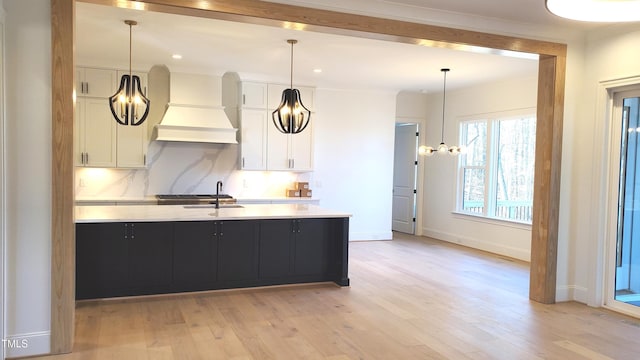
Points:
(261, 53)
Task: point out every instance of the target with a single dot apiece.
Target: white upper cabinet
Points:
(96, 82)
(262, 146)
(289, 152)
(100, 141)
(253, 95)
(253, 139)
(96, 130)
(131, 146)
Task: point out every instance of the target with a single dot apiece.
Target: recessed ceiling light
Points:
(317, 71)
(176, 56)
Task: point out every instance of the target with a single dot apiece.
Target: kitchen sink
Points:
(212, 206)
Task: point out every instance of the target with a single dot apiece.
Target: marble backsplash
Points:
(184, 168)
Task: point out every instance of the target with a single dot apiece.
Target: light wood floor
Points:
(411, 298)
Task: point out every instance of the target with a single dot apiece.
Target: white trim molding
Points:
(363, 236)
(31, 344)
(603, 219)
(479, 244)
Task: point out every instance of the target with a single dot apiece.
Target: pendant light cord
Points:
(444, 98)
(292, 42)
(130, 48)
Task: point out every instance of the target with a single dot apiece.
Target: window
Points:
(496, 172)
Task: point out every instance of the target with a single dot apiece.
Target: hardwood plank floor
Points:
(411, 298)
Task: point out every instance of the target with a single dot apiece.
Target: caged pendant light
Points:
(128, 105)
(442, 148)
(291, 117)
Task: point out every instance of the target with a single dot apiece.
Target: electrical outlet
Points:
(245, 183)
(130, 180)
(318, 184)
(81, 182)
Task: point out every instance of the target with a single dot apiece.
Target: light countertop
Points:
(140, 213)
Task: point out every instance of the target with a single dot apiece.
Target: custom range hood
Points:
(193, 111)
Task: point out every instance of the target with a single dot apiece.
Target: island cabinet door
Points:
(150, 256)
(276, 248)
(101, 260)
(311, 247)
(195, 255)
(237, 252)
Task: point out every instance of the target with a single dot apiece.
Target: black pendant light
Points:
(128, 105)
(291, 117)
(442, 148)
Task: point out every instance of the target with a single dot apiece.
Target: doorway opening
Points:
(405, 172)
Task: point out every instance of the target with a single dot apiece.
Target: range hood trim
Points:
(194, 134)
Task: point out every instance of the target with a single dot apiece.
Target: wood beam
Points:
(62, 223)
(546, 200)
(290, 16)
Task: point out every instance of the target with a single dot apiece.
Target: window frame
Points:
(490, 167)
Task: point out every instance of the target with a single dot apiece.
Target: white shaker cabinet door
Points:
(277, 148)
(253, 95)
(96, 82)
(301, 149)
(131, 146)
(98, 128)
(253, 142)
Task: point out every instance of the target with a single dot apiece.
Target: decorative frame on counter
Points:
(550, 108)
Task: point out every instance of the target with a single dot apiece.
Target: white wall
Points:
(610, 54)
(440, 171)
(28, 167)
(354, 134)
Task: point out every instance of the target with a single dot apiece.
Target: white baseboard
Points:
(361, 236)
(480, 244)
(571, 293)
(31, 344)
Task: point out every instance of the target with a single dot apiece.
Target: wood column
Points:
(546, 200)
(62, 224)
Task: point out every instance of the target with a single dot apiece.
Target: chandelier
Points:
(442, 148)
(291, 117)
(128, 105)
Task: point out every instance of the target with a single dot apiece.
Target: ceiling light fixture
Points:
(128, 103)
(596, 10)
(176, 56)
(291, 117)
(442, 148)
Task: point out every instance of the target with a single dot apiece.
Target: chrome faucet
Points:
(218, 189)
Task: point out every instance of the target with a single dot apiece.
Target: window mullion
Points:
(489, 179)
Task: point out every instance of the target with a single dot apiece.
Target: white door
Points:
(404, 178)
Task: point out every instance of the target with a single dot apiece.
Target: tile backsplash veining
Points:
(184, 168)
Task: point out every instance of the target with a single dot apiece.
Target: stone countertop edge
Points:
(153, 213)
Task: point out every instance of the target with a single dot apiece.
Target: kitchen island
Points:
(148, 249)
